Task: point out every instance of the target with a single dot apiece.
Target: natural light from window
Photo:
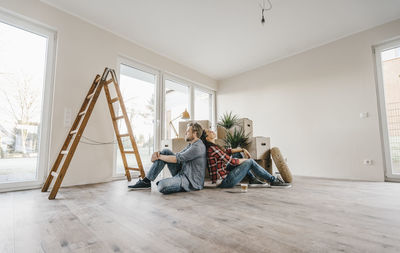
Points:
(22, 68)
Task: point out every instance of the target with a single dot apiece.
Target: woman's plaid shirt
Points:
(218, 160)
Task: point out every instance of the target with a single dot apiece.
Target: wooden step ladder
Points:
(67, 151)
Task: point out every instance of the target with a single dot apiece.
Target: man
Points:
(187, 167)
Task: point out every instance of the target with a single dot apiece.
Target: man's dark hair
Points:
(196, 127)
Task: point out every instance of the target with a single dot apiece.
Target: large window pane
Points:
(202, 107)
(22, 68)
(391, 81)
(138, 91)
(176, 102)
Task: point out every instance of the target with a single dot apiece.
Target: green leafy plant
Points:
(237, 138)
(227, 120)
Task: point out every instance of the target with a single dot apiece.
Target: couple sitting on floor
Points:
(188, 166)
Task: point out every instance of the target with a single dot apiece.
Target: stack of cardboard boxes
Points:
(259, 146)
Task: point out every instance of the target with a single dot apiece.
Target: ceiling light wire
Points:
(264, 8)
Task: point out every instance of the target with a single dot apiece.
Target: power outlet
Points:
(364, 115)
(367, 162)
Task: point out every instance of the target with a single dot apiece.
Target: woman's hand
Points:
(246, 154)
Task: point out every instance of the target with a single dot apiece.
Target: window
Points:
(152, 97)
(203, 105)
(176, 102)
(26, 52)
(138, 89)
(388, 64)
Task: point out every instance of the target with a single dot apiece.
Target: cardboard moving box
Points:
(259, 147)
(247, 126)
(175, 145)
(266, 164)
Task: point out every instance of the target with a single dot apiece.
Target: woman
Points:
(219, 159)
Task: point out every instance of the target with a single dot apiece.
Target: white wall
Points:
(84, 50)
(309, 104)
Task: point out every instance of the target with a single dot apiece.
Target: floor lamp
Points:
(183, 115)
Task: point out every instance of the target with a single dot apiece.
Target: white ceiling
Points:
(221, 38)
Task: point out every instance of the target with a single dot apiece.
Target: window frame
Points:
(384, 131)
(211, 102)
(190, 106)
(142, 67)
(162, 76)
(43, 161)
(192, 87)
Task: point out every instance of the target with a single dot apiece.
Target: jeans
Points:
(249, 175)
(239, 172)
(168, 185)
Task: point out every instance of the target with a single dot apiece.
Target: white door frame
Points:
(389, 176)
(156, 131)
(163, 99)
(43, 162)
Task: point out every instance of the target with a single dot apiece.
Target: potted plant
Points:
(236, 138)
(226, 122)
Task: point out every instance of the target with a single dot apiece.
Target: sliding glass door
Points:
(176, 102)
(180, 96)
(388, 62)
(139, 90)
(25, 51)
(203, 104)
(155, 103)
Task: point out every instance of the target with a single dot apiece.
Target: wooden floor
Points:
(315, 215)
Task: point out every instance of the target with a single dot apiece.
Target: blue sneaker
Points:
(280, 183)
(140, 185)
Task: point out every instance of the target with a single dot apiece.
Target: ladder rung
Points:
(84, 112)
(129, 152)
(64, 152)
(90, 95)
(123, 135)
(133, 168)
(119, 117)
(74, 131)
(54, 174)
(109, 81)
(114, 100)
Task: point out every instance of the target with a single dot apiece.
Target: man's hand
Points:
(155, 156)
(246, 154)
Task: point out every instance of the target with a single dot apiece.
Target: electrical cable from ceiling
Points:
(264, 8)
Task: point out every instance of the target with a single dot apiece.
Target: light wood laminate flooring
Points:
(315, 215)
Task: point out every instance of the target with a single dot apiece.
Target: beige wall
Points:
(83, 50)
(309, 105)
